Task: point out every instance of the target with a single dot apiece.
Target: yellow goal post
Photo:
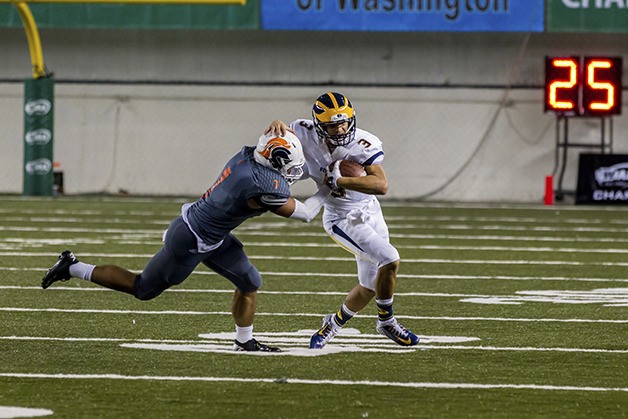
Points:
(39, 96)
(32, 34)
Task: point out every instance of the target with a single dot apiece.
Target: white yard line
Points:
(248, 230)
(340, 259)
(42, 270)
(285, 380)
(298, 339)
(317, 315)
(427, 226)
(107, 216)
(607, 295)
(19, 243)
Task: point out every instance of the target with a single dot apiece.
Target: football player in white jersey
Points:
(352, 214)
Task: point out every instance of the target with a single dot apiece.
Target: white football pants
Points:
(364, 233)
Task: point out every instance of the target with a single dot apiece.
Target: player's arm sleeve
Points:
(271, 202)
(307, 210)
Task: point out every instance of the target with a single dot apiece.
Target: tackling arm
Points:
(303, 211)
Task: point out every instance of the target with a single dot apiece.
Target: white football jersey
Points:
(365, 149)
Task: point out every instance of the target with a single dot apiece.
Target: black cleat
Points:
(60, 271)
(253, 346)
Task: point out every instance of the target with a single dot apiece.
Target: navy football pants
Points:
(179, 257)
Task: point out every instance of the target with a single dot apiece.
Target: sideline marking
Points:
(285, 380)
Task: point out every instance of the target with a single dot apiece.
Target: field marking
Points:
(43, 270)
(152, 218)
(339, 259)
(303, 351)
(473, 237)
(610, 297)
(346, 335)
(386, 203)
(23, 412)
(317, 315)
(15, 244)
(168, 215)
(365, 340)
(266, 226)
(91, 220)
(287, 380)
(242, 231)
(455, 223)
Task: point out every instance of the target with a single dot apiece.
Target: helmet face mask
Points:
(282, 153)
(332, 109)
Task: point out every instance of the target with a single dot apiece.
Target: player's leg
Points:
(378, 263)
(170, 266)
(385, 284)
(110, 276)
(360, 295)
(230, 261)
(359, 238)
(358, 298)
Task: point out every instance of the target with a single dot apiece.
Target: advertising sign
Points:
(137, 16)
(587, 16)
(404, 15)
(38, 137)
(602, 179)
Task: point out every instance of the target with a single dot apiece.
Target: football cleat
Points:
(60, 271)
(253, 345)
(325, 333)
(394, 331)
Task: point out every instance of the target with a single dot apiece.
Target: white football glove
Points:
(331, 177)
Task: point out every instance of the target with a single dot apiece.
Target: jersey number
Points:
(306, 125)
(224, 175)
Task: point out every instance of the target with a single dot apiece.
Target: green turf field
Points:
(522, 312)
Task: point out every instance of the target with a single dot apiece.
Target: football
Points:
(349, 168)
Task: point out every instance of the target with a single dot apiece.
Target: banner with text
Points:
(602, 179)
(587, 16)
(404, 15)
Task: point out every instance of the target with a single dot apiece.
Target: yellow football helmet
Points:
(331, 109)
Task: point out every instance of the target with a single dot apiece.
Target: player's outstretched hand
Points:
(277, 127)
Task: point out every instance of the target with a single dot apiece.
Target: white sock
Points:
(384, 302)
(244, 334)
(82, 270)
(346, 310)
